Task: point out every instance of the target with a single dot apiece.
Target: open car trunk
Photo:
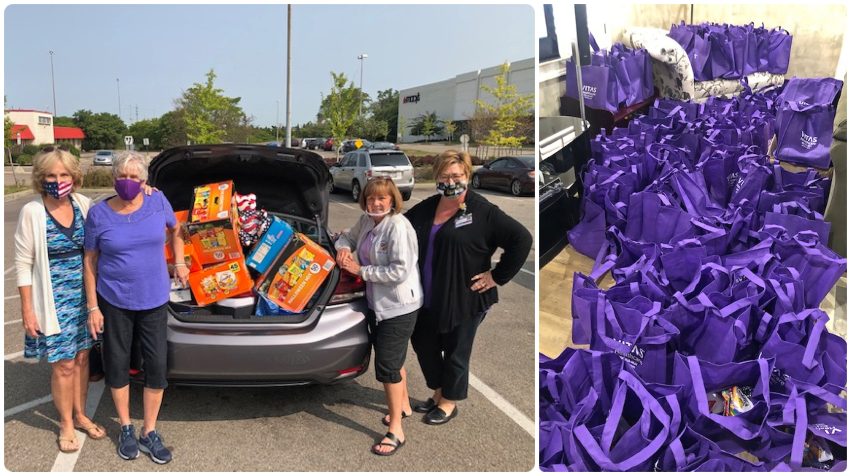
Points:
(290, 184)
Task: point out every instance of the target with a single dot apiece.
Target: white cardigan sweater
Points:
(32, 263)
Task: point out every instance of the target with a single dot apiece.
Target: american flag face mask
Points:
(58, 190)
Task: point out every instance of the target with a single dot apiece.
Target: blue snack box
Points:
(269, 245)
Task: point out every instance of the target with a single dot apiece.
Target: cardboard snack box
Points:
(213, 224)
(219, 282)
(296, 274)
(269, 245)
(190, 257)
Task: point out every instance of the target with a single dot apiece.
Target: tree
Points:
(402, 128)
(450, 127)
(7, 128)
(210, 117)
(507, 111)
(172, 129)
(64, 121)
(150, 129)
(427, 124)
(369, 128)
(103, 130)
(386, 108)
(340, 106)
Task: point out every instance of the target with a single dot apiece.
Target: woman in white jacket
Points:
(49, 264)
(386, 248)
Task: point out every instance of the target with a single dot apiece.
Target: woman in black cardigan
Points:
(458, 232)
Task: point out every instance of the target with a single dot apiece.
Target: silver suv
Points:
(359, 166)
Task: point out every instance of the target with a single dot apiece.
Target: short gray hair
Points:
(130, 159)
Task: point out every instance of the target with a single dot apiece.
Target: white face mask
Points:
(378, 214)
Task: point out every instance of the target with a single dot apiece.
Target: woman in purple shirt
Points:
(127, 287)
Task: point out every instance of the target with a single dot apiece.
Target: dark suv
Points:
(328, 341)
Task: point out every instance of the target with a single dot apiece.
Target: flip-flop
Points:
(72, 440)
(394, 443)
(89, 429)
(386, 418)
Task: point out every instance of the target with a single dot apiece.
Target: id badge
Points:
(464, 220)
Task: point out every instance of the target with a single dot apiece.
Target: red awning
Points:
(26, 133)
(60, 133)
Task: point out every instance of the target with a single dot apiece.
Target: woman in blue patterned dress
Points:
(49, 264)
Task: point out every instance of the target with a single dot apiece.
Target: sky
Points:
(158, 51)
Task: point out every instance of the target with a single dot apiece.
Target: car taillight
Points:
(349, 288)
(531, 174)
(351, 371)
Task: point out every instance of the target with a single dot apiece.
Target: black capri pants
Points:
(119, 328)
(390, 340)
(445, 357)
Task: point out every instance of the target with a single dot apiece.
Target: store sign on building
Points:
(411, 98)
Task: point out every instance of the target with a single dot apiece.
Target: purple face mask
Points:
(127, 189)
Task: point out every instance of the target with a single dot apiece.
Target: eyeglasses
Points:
(51, 148)
(454, 177)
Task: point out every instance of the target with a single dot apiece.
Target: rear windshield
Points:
(527, 160)
(383, 160)
(104, 152)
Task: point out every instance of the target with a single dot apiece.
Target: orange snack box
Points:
(296, 274)
(219, 282)
(213, 224)
(189, 255)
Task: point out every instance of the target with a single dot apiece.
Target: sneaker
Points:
(128, 448)
(153, 446)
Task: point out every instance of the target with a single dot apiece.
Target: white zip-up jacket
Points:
(393, 273)
(32, 262)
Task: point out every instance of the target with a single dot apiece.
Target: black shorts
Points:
(119, 328)
(390, 340)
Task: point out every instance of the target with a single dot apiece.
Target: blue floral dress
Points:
(65, 249)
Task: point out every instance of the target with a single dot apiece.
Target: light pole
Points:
(289, 134)
(118, 86)
(277, 121)
(52, 82)
(361, 57)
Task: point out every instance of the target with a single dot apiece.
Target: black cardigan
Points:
(463, 252)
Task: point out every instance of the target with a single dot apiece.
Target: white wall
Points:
(43, 133)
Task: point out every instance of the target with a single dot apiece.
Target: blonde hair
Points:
(45, 160)
(381, 185)
(449, 158)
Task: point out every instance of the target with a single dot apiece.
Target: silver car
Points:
(214, 345)
(358, 166)
(103, 157)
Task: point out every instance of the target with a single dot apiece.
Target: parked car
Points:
(103, 157)
(328, 145)
(351, 144)
(383, 146)
(313, 144)
(361, 165)
(304, 142)
(511, 174)
(327, 342)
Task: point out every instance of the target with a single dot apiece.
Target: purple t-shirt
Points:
(132, 272)
(363, 259)
(427, 268)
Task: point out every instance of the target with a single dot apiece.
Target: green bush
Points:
(24, 159)
(31, 149)
(74, 151)
(98, 178)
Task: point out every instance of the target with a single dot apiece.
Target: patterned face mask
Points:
(57, 190)
(452, 189)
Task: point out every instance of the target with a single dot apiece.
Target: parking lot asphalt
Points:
(314, 428)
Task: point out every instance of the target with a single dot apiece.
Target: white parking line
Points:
(8, 323)
(13, 355)
(8, 270)
(65, 462)
(510, 410)
(17, 296)
(26, 406)
(345, 205)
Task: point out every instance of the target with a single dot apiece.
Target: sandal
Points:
(95, 431)
(394, 443)
(386, 418)
(70, 441)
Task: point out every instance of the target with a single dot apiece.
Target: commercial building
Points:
(36, 127)
(455, 98)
